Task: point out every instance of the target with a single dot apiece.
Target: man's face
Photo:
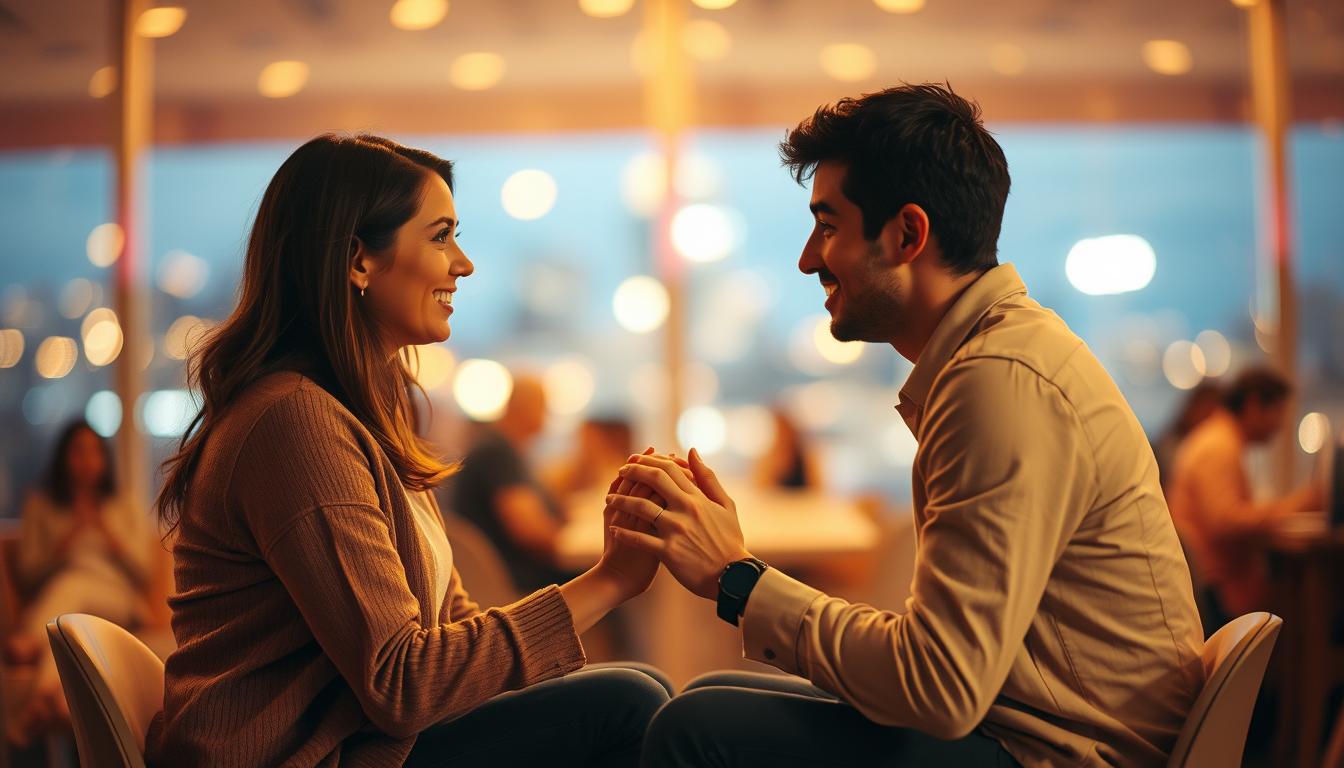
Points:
(863, 292)
(1263, 420)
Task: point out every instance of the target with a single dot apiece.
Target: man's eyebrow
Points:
(448, 220)
(821, 206)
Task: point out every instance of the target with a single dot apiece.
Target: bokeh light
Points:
(703, 428)
(1313, 432)
(1217, 352)
(102, 342)
(434, 366)
(104, 244)
(606, 9)
(1167, 57)
(183, 336)
(640, 304)
(56, 357)
(103, 82)
(569, 386)
(528, 194)
(899, 6)
(76, 298)
(103, 412)
(703, 233)
(482, 388)
(167, 412)
(160, 22)
(282, 79)
(751, 430)
(714, 5)
(706, 40)
(477, 71)
(1112, 264)
(182, 274)
(415, 15)
(848, 62)
(1183, 364)
(11, 347)
(830, 349)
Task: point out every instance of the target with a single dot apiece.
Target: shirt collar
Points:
(989, 289)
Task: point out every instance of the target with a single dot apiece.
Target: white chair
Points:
(113, 684)
(1234, 666)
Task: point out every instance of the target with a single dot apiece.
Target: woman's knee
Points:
(627, 691)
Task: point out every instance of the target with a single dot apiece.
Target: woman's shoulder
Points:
(285, 405)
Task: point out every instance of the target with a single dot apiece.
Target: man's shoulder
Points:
(1021, 331)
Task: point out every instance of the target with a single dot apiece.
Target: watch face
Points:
(738, 578)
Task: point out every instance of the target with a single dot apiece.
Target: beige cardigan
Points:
(302, 600)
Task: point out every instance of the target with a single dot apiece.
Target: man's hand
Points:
(696, 534)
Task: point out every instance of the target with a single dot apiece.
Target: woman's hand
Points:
(632, 568)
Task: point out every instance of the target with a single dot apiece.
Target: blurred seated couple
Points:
(320, 621)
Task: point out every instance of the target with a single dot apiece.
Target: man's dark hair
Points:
(1261, 384)
(920, 144)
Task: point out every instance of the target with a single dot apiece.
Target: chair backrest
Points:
(484, 574)
(113, 684)
(1234, 666)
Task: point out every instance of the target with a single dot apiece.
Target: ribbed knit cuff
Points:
(547, 642)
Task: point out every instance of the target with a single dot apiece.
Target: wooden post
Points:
(131, 134)
(1270, 98)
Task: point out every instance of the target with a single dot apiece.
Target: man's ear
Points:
(906, 234)
(361, 264)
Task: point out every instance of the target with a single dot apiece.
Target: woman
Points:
(81, 550)
(319, 619)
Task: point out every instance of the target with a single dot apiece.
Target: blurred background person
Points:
(1213, 504)
(82, 549)
(603, 444)
(788, 463)
(498, 492)
(1200, 403)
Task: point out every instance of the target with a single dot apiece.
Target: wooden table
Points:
(679, 632)
(1305, 560)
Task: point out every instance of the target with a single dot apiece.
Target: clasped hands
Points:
(661, 508)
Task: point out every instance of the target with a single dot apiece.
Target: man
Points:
(499, 493)
(1211, 498)
(1052, 620)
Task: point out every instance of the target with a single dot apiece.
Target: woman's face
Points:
(84, 459)
(408, 289)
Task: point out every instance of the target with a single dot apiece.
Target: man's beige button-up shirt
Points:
(1051, 605)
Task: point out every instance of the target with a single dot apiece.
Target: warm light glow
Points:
(899, 6)
(898, 445)
(103, 412)
(96, 315)
(528, 195)
(706, 40)
(482, 389)
(817, 405)
(1112, 264)
(434, 367)
(702, 428)
(182, 274)
(700, 384)
(183, 335)
(1217, 352)
(1183, 364)
(413, 15)
(606, 9)
(640, 304)
(160, 22)
(1007, 59)
(102, 342)
(569, 386)
(11, 347)
(282, 79)
(644, 180)
(104, 244)
(56, 356)
(167, 412)
(476, 71)
(751, 430)
(703, 233)
(1313, 432)
(1167, 57)
(714, 5)
(1245, 3)
(848, 62)
(103, 82)
(76, 297)
(831, 350)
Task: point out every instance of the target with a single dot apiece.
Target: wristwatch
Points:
(735, 585)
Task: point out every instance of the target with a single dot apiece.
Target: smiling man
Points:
(1052, 620)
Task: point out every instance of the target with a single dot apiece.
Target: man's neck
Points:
(930, 300)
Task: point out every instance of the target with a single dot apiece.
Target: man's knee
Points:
(631, 695)
(686, 730)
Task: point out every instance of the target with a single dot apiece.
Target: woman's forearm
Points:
(590, 596)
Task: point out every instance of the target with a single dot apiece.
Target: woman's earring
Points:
(361, 291)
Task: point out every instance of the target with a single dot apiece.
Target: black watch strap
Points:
(735, 585)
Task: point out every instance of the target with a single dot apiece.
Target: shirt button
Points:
(769, 654)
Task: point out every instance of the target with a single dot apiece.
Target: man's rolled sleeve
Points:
(773, 620)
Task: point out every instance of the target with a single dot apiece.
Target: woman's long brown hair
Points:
(297, 309)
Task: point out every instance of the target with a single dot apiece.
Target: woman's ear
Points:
(361, 265)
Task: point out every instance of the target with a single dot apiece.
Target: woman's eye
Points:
(443, 235)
